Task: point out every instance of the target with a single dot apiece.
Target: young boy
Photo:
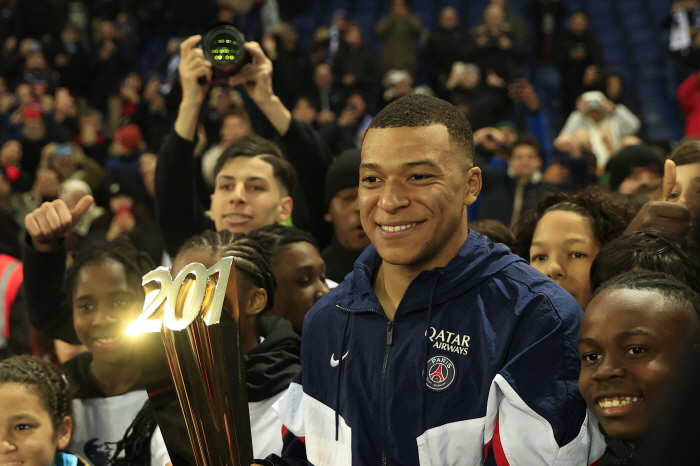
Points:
(634, 335)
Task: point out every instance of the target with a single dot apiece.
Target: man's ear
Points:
(328, 217)
(257, 300)
(473, 187)
(63, 432)
(286, 207)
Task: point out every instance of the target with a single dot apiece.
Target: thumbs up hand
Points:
(51, 221)
(659, 212)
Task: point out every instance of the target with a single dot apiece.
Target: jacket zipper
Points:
(389, 342)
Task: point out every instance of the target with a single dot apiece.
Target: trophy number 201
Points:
(176, 306)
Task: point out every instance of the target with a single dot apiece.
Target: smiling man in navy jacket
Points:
(441, 348)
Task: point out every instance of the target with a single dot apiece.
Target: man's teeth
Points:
(617, 401)
(398, 227)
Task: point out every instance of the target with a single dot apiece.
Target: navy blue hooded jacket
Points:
(479, 364)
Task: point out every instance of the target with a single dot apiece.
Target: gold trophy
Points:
(205, 368)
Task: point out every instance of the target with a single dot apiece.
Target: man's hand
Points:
(489, 138)
(193, 65)
(256, 77)
(659, 212)
(51, 221)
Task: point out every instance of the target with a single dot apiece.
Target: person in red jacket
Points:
(688, 95)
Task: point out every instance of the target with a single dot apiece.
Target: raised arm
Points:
(179, 213)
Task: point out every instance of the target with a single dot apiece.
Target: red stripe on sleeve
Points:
(498, 452)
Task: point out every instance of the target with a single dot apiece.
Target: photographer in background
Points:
(239, 203)
(604, 122)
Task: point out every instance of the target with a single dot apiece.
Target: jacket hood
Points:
(477, 260)
(271, 366)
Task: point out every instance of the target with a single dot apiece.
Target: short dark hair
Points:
(608, 219)
(527, 140)
(669, 287)
(494, 230)
(276, 238)
(253, 145)
(419, 110)
(688, 152)
(651, 249)
(44, 380)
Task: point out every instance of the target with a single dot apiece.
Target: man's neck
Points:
(114, 379)
(390, 286)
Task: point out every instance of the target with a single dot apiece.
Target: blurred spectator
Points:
(151, 115)
(122, 105)
(319, 46)
(38, 73)
(683, 23)
(91, 137)
(10, 163)
(147, 170)
(573, 165)
(512, 22)
(123, 159)
(474, 100)
(95, 220)
(291, 64)
(234, 126)
(343, 212)
(72, 62)
(65, 115)
(33, 136)
(336, 34)
(493, 48)
(494, 230)
(547, 16)
(109, 64)
(506, 194)
(399, 32)
(70, 162)
(305, 110)
(635, 170)
(354, 66)
(347, 131)
(396, 84)
(328, 94)
(221, 102)
(604, 122)
(577, 49)
(688, 95)
(444, 47)
(44, 189)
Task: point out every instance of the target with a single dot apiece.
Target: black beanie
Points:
(343, 173)
(629, 158)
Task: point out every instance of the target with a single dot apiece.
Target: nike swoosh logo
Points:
(335, 362)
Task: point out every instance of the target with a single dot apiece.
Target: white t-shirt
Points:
(101, 422)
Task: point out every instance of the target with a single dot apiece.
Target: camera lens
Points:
(224, 46)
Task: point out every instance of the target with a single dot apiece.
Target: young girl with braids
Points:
(105, 285)
(113, 419)
(271, 346)
(35, 414)
(298, 267)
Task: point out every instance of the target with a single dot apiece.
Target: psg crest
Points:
(441, 373)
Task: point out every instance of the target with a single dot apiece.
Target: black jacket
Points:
(181, 215)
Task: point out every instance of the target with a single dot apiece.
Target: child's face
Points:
(301, 281)
(631, 342)
(687, 188)
(104, 303)
(563, 248)
(27, 435)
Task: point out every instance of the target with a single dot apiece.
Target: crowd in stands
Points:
(115, 159)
